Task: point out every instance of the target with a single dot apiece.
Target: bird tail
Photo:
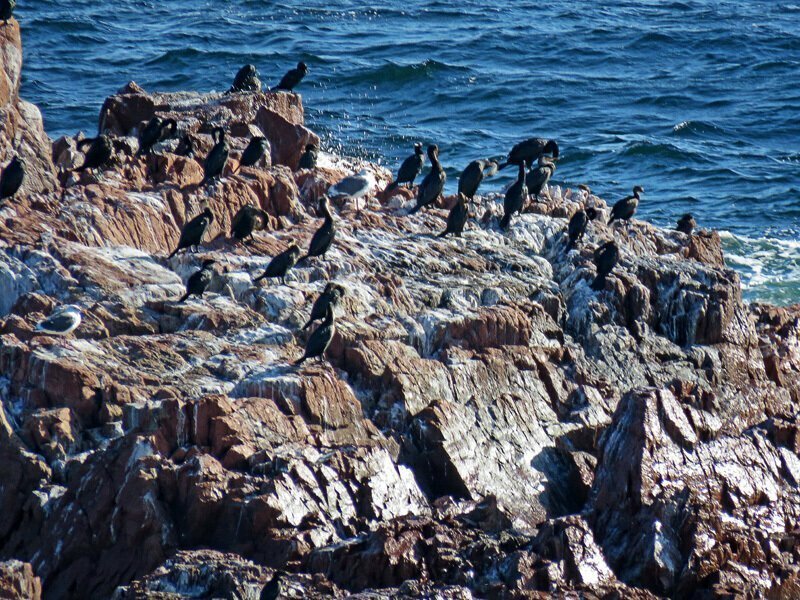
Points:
(503, 166)
(504, 222)
(301, 260)
(307, 325)
(259, 278)
(184, 298)
(443, 234)
(570, 244)
(415, 209)
(611, 220)
(391, 186)
(599, 282)
(300, 360)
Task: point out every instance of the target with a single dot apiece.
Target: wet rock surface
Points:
(486, 426)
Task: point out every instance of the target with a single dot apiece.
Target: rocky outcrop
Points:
(21, 128)
(486, 425)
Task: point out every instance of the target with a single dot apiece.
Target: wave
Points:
(393, 72)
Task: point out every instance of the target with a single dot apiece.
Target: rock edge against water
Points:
(488, 425)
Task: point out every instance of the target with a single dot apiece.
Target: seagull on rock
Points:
(62, 321)
(354, 187)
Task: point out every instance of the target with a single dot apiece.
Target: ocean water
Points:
(696, 100)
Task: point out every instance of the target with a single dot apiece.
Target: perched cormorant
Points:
(100, 151)
(540, 176)
(154, 132)
(515, 197)
(246, 80)
(626, 208)
(272, 590)
(280, 265)
(217, 156)
(605, 259)
(411, 167)
(473, 175)
(185, 147)
(323, 237)
(577, 225)
(12, 177)
(257, 147)
(457, 217)
(62, 321)
(293, 77)
(433, 184)
(247, 220)
(330, 296)
(7, 10)
(686, 224)
(527, 151)
(199, 280)
(309, 158)
(192, 232)
(319, 341)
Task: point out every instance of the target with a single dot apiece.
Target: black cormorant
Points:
(577, 226)
(323, 237)
(214, 163)
(528, 151)
(433, 184)
(257, 147)
(540, 176)
(7, 10)
(686, 224)
(192, 232)
(457, 217)
(280, 265)
(199, 280)
(100, 151)
(185, 146)
(247, 220)
(293, 77)
(246, 80)
(626, 208)
(12, 177)
(605, 259)
(473, 175)
(319, 341)
(411, 167)
(154, 132)
(330, 296)
(515, 197)
(272, 590)
(309, 158)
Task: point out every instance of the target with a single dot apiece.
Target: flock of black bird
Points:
(534, 158)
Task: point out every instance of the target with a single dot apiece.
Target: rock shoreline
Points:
(488, 426)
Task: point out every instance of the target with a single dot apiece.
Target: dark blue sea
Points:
(698, 101)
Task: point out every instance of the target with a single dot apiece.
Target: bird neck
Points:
(326, 212)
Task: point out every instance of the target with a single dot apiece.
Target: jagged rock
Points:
(486, 425)
(18, 582)
(21, 128)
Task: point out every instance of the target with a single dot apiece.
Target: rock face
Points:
(21, 129)
(486, 425)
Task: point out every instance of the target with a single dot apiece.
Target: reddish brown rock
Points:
(18, 582)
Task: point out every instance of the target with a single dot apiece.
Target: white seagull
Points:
(62, 321)
(353, 186)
